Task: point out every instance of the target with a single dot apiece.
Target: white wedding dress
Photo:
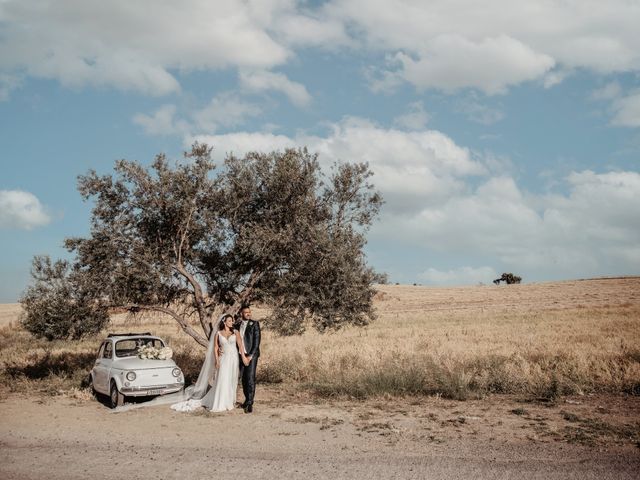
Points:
(222, 395)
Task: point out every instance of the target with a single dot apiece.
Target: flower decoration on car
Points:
(149, 352)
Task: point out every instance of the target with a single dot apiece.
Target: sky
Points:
(504, 136)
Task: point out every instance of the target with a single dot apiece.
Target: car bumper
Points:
(139, 391)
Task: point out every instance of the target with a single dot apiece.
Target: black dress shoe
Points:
(248, 409)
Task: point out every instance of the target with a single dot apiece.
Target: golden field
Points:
(541, 340)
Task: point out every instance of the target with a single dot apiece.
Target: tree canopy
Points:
(193, 240)
(57, 305)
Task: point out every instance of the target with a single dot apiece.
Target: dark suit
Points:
(251, 340)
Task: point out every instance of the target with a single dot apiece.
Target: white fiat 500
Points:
(134, 364)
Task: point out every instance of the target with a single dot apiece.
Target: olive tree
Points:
(191, 239)
(57, 305)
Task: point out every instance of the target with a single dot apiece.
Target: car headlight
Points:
(176, 372)
(131, 376)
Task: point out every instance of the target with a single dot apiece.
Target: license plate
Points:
(154, 392)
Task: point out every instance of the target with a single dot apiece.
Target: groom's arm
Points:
(256, 340)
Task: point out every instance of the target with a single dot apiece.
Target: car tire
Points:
(92, 388)
(116, 399)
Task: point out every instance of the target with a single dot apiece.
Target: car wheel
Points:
(92, 388)
(116, 398)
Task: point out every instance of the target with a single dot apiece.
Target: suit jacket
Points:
(251, 339)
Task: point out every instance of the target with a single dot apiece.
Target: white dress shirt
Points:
(243, 327)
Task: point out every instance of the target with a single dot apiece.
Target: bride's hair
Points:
(224, 319)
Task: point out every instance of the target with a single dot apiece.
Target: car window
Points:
(129, 347)
(101, 351)
(108, 353)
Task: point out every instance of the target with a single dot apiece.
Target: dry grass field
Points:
(519, 381)
(543, 340)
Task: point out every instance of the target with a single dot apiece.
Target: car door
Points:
(103, 366)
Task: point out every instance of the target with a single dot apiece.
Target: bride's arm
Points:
(240, 344)
(216, 350)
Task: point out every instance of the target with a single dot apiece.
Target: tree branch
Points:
(186, 229)
(247, 290)
(197, 293)
(181, 321)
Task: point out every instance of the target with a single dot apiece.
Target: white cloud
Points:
(608, 92)
(453, 62)
(241, 143)
(459, 276)
(625, 108)
(602, 206)
(441, 197)
(133, 45)
(162, 122)
(8, 83)
(224, 110)
(494, 44)
(143, 45)
(578, 234)
(412, 168)
(20, 209)
(477, 112)
(415, 119)
(259, 81)
(601, 53)
(555, 77)
(627, 111)
(305, 31)
(380, 80)
(485, 219)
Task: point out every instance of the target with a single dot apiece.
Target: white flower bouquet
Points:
(149, 352)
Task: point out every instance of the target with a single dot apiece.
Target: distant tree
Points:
(194, 241)
(508, 278)
(57, 304)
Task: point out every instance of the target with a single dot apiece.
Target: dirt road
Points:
(66, 438)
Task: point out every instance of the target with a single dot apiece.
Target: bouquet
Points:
(149, 352)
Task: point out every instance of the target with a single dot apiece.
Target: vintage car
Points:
(119, 370)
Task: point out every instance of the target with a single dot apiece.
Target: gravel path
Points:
(65, 438)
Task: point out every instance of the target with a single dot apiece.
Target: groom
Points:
(250, 333)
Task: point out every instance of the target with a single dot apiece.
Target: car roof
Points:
(121, 336)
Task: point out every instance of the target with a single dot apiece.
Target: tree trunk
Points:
(198, 296)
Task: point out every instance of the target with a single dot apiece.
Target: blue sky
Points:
(503, 136)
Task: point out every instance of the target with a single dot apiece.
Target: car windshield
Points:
(129, 347)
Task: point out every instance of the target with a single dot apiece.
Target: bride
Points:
(225, 345)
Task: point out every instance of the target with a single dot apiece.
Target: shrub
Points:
(55, 306)
(508, 278)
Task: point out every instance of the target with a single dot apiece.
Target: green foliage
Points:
(56, 306)
(508, 278)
